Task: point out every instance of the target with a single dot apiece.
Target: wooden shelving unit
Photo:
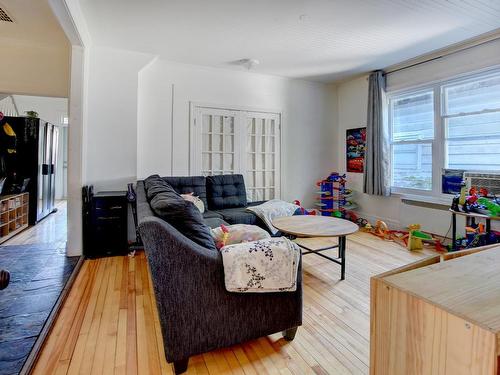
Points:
(13, 215)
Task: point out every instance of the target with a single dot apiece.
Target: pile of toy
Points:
(333, 198)
(413, 239)
(476, 201)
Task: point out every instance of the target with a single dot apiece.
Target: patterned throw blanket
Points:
(268, 265)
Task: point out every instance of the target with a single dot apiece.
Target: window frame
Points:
(439, 142)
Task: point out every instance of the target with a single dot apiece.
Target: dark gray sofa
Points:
(196, 312)
(224, 197)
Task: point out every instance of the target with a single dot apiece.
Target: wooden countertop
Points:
(468, 286)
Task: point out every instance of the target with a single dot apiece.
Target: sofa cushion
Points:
(189, 184)
(239, 215)
(215, 222)
(212, 215)
(183, 215)
(226, 191)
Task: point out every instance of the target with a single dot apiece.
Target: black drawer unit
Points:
(108, 224)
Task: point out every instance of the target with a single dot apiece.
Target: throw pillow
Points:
(154, 185)
(196, 200)
(167, 204)
(238, 233)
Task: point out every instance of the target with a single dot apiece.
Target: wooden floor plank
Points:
(109, 322)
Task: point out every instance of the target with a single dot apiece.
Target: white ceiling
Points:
(322, 40)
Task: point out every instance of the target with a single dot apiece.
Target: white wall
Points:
(111, 131)
(307, 130)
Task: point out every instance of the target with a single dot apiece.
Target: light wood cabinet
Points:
(440, 316)
(13, 215)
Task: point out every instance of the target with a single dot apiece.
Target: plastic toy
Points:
(491, 206)
(331, 195)
(301, 210)
(224, 238)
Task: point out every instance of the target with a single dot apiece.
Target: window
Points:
(233, 141)
(412, 137)
(453, 125)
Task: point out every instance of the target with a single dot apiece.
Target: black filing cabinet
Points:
(108, 224)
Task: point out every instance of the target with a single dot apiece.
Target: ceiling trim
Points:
(63, 16)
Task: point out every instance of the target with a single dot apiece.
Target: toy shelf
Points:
(330, 197)
(13, 215)
(470, 218)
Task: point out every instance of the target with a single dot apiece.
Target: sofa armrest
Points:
(176, 261)
(197, 313)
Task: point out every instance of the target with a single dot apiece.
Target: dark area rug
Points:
(38, 274)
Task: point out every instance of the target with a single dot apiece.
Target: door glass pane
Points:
(217, 124)
(269, 179)
(228, 125)
(206, 126)
(206, 165)
(207, 142)
(217, 142)
(217, 162)
(228, 162)
(261, 157)
(228, 143)
(250, 180)
(270, 161)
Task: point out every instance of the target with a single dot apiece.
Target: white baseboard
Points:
(372, 219)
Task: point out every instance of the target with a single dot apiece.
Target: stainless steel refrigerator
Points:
(29, 150)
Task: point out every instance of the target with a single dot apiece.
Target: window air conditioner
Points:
(487, 180)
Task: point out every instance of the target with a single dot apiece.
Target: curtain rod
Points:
(492, 38)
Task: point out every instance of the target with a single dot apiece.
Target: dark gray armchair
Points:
(196, 312)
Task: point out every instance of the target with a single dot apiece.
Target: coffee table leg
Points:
(342, 242)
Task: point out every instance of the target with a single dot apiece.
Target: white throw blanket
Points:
(273, 209)
(268, 265)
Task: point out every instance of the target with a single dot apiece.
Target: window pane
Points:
(413, 117)
(482, 125)
(412, 166)
(476, 154)
(474, 142)
(473, 96)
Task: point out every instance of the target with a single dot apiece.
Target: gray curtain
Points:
(377, 156)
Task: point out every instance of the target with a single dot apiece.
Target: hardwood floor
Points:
(109, 323)
(51, 229)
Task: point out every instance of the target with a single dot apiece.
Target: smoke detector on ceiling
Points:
(4, 16)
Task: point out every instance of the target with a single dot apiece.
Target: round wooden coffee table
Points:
(318, 226)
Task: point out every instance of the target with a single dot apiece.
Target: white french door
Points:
(228, 141)
(261, 165)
